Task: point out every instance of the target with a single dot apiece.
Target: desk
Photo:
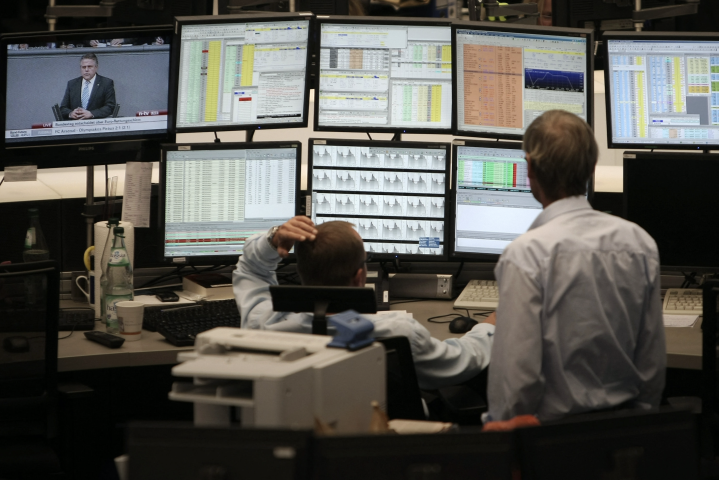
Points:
(684, 345)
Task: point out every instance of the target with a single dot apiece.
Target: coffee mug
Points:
(90, 292)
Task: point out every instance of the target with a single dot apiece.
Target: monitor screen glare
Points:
(242, 74)
(84, 89)
(216, 199)
(664, 92)
(505, 80)
(395, 196)
(385, 76)
(494, 203)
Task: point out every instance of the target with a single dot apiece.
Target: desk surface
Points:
(684, 345)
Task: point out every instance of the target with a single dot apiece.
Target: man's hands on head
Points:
(297, 229)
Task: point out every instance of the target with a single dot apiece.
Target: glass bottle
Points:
(119, 280)
(35, 245)
(104, 258)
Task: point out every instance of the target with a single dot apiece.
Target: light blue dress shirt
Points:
(437, 363)
(579, 321)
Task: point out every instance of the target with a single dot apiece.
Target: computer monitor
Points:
(43, 99)
(384, 74)
(662, 90)
(464, 454)
(492, 201)
(627, 444)
(394, 193)
(235, 72)
(508, 75)
(672, 196)
(182, 451)
(215, 196)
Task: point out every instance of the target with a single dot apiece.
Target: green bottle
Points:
(104, 258)
(119, 280)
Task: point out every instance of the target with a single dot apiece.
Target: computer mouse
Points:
(462, 324)
(16, 344)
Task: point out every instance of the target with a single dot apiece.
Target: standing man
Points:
(90, 95)
(579, 321)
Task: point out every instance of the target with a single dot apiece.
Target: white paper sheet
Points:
(680, 320)
(136, 200)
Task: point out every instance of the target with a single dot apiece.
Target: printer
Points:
(277, 379)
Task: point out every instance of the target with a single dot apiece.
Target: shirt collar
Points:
(92, 81)
(560, 207)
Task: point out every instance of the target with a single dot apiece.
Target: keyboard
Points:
(71, 319)
(683, 301)
(180, 325)
(479, 294)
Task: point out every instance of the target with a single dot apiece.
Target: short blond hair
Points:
(563, 153)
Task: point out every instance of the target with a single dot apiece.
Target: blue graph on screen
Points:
(541, 79)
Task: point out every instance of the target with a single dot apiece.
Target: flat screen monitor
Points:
(673, 197)
(215, 196)
(662, 90)
(47, 100)
(394, 193)
(492, 200)
(506, 76)
(241, 72)
(384, 74)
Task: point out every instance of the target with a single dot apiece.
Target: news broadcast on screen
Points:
(86, 88)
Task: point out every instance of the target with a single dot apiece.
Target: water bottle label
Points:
(119, 257)
(111, 311)
(30, 237)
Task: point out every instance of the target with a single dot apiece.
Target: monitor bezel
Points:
(666, 36)
(22, 152)
(215, 19)
(217, 259)
(482, 257)
(525, 29)
(389, 143)
(354, 20)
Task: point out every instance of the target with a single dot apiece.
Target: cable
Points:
(2, 180)
(408, 301)
(432, 319)
(459, 270)
(368, 135)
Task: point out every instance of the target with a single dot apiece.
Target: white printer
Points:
(280, 379)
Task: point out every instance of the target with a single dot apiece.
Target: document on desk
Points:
(136, 199)
(680, 320)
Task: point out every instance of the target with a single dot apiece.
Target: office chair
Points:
(404, 399)
(116, 110)
(56, 112)
(29, 304)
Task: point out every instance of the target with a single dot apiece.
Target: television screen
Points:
(509, 75)
(86, 86)
(662, 90)
(384, 75)
(215, 196)
(394, 193)
(242, 72)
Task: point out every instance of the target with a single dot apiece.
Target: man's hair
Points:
(563, 152)
(90, 56)
(333, 258)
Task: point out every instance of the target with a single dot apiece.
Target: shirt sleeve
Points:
(251, 282)
(650, 356)
(516, 384)
(439, 363)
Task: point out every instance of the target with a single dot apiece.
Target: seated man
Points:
(579, 321)
(333, 254)
(90, 95)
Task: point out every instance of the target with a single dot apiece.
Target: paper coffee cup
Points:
(129, 316)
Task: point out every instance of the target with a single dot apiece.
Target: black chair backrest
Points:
(29, 304)
(403, 396)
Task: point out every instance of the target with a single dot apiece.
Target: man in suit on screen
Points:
(90, 95)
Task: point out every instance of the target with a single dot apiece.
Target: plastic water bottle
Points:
(104, 258)
(35, 244)
(119, 280)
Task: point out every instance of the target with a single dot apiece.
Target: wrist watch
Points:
(270, 235)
